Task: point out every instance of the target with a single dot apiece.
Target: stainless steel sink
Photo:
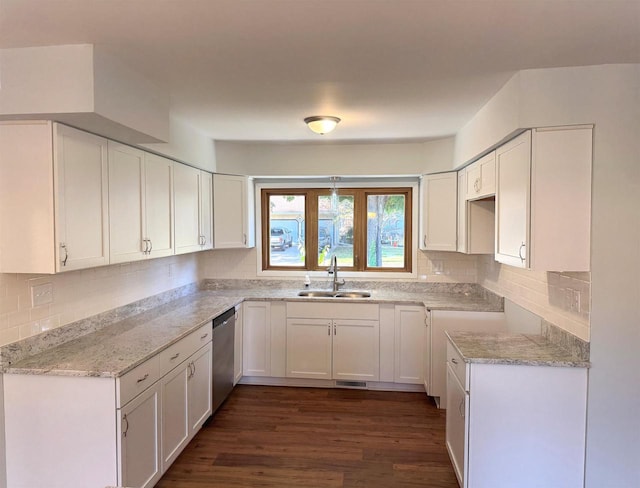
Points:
(317, 293)
(353, 294)
(334, 294)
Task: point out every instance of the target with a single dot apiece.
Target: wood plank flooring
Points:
(308, 437)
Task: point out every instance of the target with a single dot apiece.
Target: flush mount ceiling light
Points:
(322, 124)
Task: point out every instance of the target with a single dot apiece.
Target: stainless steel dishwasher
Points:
(223, 344)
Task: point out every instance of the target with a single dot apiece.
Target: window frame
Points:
(360, 193)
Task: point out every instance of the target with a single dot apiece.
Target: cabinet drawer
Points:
(137, 380)
(185, 347)
(457, 364)
(310, 310)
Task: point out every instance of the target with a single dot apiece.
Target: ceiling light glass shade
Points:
(322, 124)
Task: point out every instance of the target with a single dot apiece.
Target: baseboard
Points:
(311, 383)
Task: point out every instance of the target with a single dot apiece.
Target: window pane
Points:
(385, 231)
(286, 226)
(335, 230)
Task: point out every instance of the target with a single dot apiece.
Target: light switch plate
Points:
(41, 294)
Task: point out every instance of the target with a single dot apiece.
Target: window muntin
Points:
(326, 226)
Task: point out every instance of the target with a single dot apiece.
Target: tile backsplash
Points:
(563, 299)
(80, 294)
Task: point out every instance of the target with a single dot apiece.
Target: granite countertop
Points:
(506, 348)
(116, 349)
(120, 344)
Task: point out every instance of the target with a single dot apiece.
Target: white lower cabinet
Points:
(256, 339)
(344, 346)
(139, 440)
(515, 425)
(410, 353)
(121, 431)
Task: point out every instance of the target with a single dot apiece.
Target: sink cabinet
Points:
(341, 347)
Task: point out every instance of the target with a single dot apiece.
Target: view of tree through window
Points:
(365, 228)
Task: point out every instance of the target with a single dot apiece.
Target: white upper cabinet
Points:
(141, 195)
(543, 200)
(512, 201)
(233, 218)
(481, 177)
(438, 206)
(53, 198)
(193, 209)
(186, 186)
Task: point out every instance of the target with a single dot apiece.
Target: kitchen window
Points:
(367, 229)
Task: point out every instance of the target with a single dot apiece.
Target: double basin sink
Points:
(334, 294)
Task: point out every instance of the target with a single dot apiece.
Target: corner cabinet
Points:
(234, 213)
(480, 178)
(543, 199)
(515, 425)
(438, 207)
(123, 431)
(53, 198)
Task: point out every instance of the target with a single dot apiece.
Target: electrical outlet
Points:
(41, 294)
(575, 302)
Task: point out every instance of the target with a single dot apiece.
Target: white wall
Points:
(84, 87)
(188, 145)
(607, 96)
(271, 159)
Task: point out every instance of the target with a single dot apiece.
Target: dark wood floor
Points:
(307, 437)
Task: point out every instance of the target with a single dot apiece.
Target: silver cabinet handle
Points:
(140, 380)
(244, 239)
(424, 240)
(329, 329)
(454, 360)
(66, 253)
(204, 336)
(335, 332)
(520, 252)
(125, 421)
(146, 246)
(150, 246)
(461, 407)
(175, 356)
(476, 185)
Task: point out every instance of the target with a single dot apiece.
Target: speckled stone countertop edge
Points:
(195, 309)
(512, 349)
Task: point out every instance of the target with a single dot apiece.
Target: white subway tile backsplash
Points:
(81, 294)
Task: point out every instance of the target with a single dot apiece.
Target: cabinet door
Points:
(199, 387)
(256, 339)
(175, 420)
(410, 329)
(481, 177)
(446, 320)
(186, 191)
(462, 212)
(158, 199)
(81, 176)
(356, 350)
(456, 425)
(439, 212)
(513, 201)
(231, 218)
(237, 353)
(126, 203)
(309, 348)
(206, 210)
(139, 440)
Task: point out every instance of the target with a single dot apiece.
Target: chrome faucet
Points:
(333, 269)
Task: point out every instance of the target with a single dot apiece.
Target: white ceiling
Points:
(391, 69)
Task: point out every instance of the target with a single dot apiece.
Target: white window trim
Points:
(382, 183)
